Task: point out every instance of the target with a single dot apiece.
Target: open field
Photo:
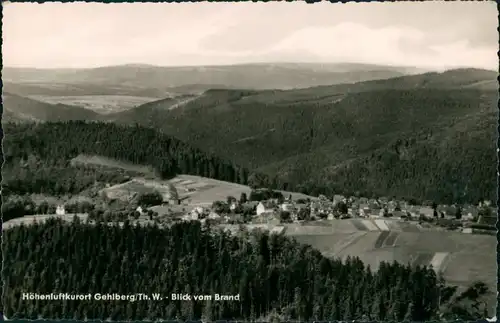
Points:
(192, 190)
(208, 190)
(102, 104)
(461, 258)
(111, 163)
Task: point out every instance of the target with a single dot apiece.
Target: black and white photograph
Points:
(250, 161)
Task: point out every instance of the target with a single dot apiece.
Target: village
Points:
(146, 201)
(267, 207)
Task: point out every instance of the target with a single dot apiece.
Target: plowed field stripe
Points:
(359, 225)
(382, 225)
(381, 238)
(438, 260)
(391, 239)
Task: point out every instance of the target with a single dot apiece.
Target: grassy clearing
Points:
(92, 160)
(193, 190)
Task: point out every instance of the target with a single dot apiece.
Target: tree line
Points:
(273, 274)
(38, 161)
(135, 144)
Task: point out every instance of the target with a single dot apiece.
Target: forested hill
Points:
(55, 143)
(21, 109)
(274, 276)
(397, 137)
(427, 143)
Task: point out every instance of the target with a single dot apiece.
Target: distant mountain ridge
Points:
(247, 76)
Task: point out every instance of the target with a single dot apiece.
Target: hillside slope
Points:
(375, 137)
(38, 156)
(18, 108)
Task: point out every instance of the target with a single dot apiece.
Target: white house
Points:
(140, 210)
(485, 203)
(364, 210)
(60, 210)
(197, 212)
(338, 198)
(263, 207)
(213, 216)
(427, 212)
(287, 207)
(233, 206)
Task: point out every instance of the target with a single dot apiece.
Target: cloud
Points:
(96, 34)
(394, 45)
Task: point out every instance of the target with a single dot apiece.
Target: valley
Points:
(385, 140)
(250, 162)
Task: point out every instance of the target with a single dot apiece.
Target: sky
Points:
(435, 35)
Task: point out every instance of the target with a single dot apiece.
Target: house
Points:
(354, 212)
(234, 205)
(300, 206)
(449, 211)
(193, 216)
(413, 210)
(288, 207)
(265, 206)
(267, 217)
(394, 206)
(250, 207)
(213, 216)
(338, 198)
(426, 211)
(363, 200)
(485, 203)
(60, 210)
(374, 212)
(404, 204)
(383, 200)
(197, 213)
(321, 197)
(174, 201)
(141, 210)
(364, 210)
(470, 213)
(398, 214)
